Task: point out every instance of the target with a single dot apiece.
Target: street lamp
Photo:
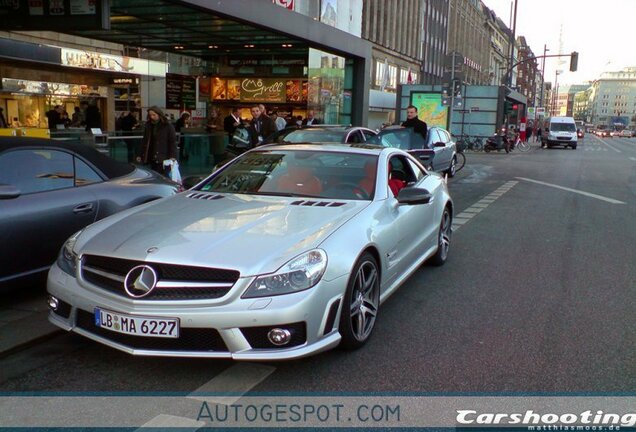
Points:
(545, 50)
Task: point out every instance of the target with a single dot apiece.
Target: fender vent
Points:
(204, 196)
(306, 203)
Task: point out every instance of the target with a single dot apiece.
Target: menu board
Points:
(189, 93)
(174, 85)
(294, 91)
(234, 89)
(204, 88)
(263, 90)
(219, 88)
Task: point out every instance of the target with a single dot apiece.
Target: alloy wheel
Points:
(365, 299)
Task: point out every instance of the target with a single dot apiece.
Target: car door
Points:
(354, 137)
(410, 220)
(447, 150)
(48, 210)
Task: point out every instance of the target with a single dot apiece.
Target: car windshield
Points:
(313, 135)
(563, 127)
(303, 173)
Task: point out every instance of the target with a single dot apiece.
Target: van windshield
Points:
(563, 127)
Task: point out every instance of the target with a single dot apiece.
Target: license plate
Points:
(137, 325)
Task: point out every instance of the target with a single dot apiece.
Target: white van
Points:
(559, 131)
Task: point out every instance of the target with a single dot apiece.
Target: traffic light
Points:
(574, 61)
(457, 87)
(508, 107)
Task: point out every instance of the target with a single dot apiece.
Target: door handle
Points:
(83, 208)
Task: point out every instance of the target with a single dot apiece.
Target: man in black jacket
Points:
(231, 122)
(413, 121)
(261, 126)
(159, 142)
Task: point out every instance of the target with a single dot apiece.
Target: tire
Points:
(478, 145)
(573, 147)
(452, 169)
(461, 161)
(443, 239)
(361, 303)
(487, 149)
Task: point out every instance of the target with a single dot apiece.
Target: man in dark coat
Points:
(54, 117)
(231, 122)
(311, 119)
(93, 117)
(159, 142)
(414, 122)
(261, 126)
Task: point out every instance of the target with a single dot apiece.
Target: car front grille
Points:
(174, 282)
(190, 339)
(564, 138)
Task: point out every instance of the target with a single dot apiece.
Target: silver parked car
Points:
(287, 251)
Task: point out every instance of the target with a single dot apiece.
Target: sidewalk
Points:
(24, 322)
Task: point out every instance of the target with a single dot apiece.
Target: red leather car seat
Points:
(368, 182)
(300, 180)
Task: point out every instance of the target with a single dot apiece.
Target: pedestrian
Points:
(180, 124)
(54, 117)
(231, 122)
(183, 121)
(128, 123)
(414, 122)
(311, 119)
(278, 121)
(537, 136)
(3, 120)
(159, 142)
(214, 121)
(261, 126)
(93, 117)
(64, 119)
(76, 118)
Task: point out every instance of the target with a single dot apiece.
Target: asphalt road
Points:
(538, 295)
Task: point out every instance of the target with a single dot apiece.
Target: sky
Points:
(602, 32)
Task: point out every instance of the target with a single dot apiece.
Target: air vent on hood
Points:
(204, 196)
(306, 203)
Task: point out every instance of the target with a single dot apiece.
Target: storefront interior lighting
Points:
(248, 46)
(287, 45)
(213, 46)
(178, 47)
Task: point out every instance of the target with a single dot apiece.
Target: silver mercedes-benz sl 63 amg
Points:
(287, 251)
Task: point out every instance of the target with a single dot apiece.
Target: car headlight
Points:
(67, 259)
(299, 274)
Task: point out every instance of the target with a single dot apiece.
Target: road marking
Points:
(587, 194)
(234, 381)
(170, 421)
(607, 144)
(473, 210)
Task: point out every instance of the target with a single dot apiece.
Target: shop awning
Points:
(211, 29)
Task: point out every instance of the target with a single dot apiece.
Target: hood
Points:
(251, 234)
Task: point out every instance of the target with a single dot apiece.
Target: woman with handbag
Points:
(159, 142)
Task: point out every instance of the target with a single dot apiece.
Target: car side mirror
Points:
(414, 196)
(9, 192)
(439, 144)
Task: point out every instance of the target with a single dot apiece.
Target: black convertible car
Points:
(51, 189)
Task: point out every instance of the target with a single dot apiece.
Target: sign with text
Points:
(289, 4)
(174, 84)
(55, 15)
(112, 63)
(263, 90)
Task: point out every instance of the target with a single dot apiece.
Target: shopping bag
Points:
(175, 175)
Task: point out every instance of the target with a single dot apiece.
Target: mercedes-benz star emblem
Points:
(152, 250)
(140, 281)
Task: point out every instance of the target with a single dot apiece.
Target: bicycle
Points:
(468, 143)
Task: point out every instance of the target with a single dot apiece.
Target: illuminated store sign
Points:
(112, 63)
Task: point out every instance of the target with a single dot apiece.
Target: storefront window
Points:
(327, 92)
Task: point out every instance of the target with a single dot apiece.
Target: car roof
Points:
(108, 166)
(358, 148)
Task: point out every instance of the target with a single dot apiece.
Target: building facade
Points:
(499, 52)
(613, 98)
(469, 36)
(527, 72)
(434, 40)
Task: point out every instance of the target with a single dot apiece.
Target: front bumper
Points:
(219, 328)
